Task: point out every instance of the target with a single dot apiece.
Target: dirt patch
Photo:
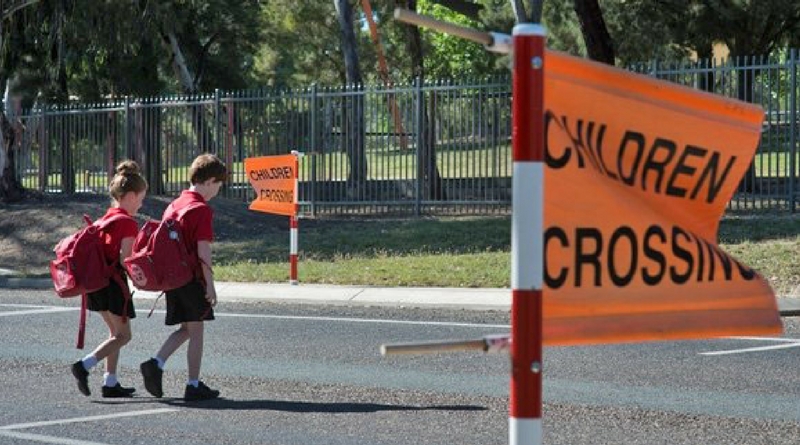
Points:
(30, 229)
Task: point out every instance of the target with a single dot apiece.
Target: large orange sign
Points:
(639, 172)
(274, 179)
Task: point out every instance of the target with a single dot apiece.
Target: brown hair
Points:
(127, 179)
(207, 166)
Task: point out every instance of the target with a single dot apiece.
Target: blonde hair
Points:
(128, 178)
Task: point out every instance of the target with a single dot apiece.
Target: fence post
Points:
(128, 124)
(44, 153)
(217, 126)
(67, 170)
(419, 108)
(111, 144)
(313, 150)
(793, 130)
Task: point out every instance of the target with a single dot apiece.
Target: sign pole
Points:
(527, 235)
(293, 223)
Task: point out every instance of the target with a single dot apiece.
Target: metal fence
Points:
(411, 149)
(773, 180)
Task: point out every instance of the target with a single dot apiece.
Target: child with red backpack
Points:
(113, 303)
(191, 304)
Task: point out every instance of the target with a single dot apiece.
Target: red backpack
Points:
(160, 260)
(80, 266)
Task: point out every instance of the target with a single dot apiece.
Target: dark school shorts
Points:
(188, 303)
(111, 299)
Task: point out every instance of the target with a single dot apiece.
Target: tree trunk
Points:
(599, 45)
(519, 11)
(205, 140)
(426, 139)
(432, 181)
(10, 188)
(536, 10)
(706, 79)
(354, 105)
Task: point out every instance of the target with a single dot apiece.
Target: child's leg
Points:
(119, 335)
(173, 342)
(194, 352)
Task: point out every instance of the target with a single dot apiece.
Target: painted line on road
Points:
(87, 419)
(754, 349)
(283, 317)
(37, 311)
(779, 339)
(47, 439)
(362, 320)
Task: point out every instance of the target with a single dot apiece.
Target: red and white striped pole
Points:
(293, 222)
(527, 235)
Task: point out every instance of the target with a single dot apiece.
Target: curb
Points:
(466, 298)
(7, 282)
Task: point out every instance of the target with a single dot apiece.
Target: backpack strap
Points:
(179, 215)
(82, 323)
(103, 223)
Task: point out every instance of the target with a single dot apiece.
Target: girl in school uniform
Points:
(113, 303)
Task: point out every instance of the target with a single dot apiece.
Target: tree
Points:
(11, 189)
(354, 105)
(426, 136)
(298, 47)
(598, 41)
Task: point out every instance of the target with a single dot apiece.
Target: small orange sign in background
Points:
(274, 179)
(639, 172)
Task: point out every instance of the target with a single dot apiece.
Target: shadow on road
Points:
(313, 407)
(299, 407)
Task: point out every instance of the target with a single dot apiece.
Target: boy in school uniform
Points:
(191, 305)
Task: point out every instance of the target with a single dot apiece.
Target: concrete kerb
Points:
(463, 298)
(466, 298)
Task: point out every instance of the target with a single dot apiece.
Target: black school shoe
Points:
(117, 391)
(152, 377)
(202, 392)
(82, 376)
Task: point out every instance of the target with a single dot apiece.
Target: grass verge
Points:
(461, 252)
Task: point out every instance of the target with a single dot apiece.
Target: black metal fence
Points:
(773, 180)
(411, 149)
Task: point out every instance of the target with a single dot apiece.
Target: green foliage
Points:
(451, 57)
(95, 49)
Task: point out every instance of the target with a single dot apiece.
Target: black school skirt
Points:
(111, 299)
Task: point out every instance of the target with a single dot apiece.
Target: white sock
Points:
(161, 362)
(110, 380)
(193, 382)
(89, 361)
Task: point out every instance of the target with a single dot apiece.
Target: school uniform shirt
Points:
(116, 232)
(197, 224)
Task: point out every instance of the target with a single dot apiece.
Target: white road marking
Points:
(791, 342)
(37, 311)
(754, 349)
(46, 439)
(778, 339)
(283, 317)
(363, 320)
(87, 419)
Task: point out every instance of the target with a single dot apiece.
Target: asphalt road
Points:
(296, 374)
